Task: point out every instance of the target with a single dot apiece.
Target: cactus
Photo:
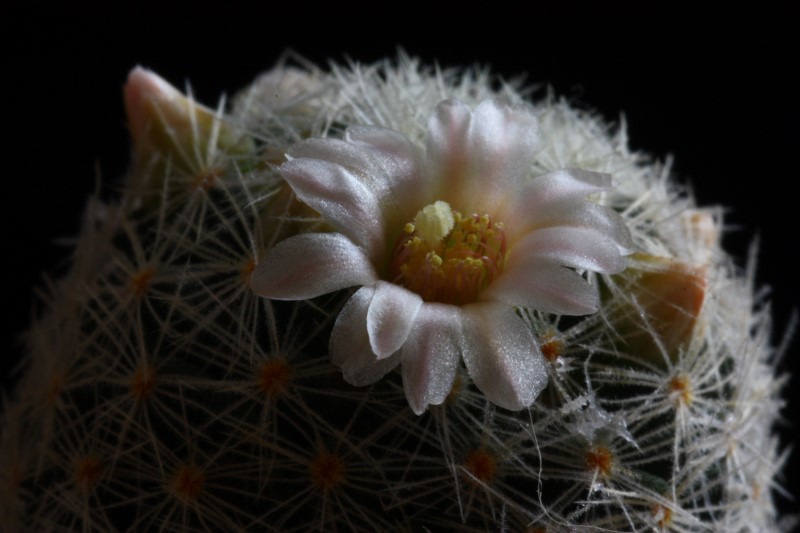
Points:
(162, 393)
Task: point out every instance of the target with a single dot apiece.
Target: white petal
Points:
(357, 160)
(478, 156)
(306, 266)
(546, 287)
(583, 214)
(340, 196)
(502, 356)
(542, 192)
(568, 183)
(350, 347)
(400, 164)
(390, 317)
(430, 355)
(446, 144)
(501, 145)
(583, 248)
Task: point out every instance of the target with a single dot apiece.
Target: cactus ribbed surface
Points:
(162, 394)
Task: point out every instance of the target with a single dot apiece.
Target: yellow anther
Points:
(434, 259)
(414, 243)
(476, 262)
(446, 257)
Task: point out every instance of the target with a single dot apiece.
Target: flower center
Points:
(446, 257)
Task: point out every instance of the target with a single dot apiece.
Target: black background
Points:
(714, 94)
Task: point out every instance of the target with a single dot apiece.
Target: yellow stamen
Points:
(446, 257)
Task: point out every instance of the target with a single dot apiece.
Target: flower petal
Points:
(400, 163)
(565, 184)
(357, 160)
(339, 195)
(542, 192)
(350, 345)
(587, 215)
(502, 356)
(390, 317)
(581, 247)
(480, 155)
(446, 144)
(501, 145)
(430, 355)
(309, 265)
(544, 286)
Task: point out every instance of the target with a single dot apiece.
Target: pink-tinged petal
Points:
(359, 161)
(477, 156)
(583, 214)
(501, 145)
(544, 286)
(397, 159)
(350, 345)
(309, 265)
(430, 355)
(580, 247)
(446, 144)
(400, 163)
(542, 192)
(502, 356)
(390, 318)
(340, 196)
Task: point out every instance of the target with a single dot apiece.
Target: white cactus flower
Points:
(445, 242)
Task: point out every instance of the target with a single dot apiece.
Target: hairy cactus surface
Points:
(168, 389)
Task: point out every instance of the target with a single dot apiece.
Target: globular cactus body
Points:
(162, 394)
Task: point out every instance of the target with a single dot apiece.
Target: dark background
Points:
(714, 94)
